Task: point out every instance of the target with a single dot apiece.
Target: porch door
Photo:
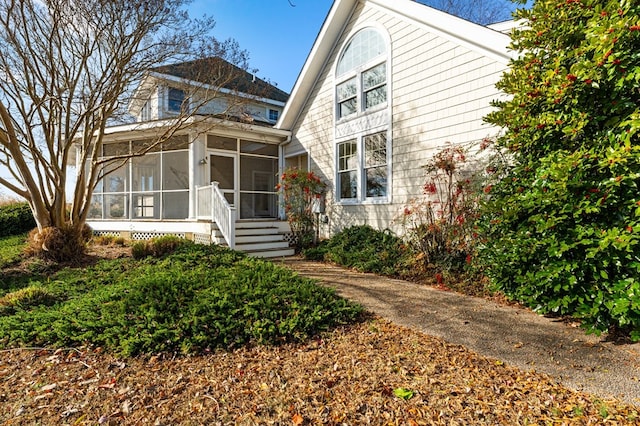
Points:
(223, 170)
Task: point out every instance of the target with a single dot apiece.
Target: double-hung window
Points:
(363, 168)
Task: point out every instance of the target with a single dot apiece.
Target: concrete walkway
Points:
(514, 335)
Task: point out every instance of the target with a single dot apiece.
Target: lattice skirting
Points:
(202, 239)
(150, 235)
(106, 233)
(290, 238)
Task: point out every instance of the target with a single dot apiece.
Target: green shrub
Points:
(194, 299)
(157, 247)
(562, 229)
(366, 249)
(15, 218)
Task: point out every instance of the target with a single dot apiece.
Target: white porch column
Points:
(197, 170)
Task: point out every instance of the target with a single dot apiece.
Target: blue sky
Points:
(277, 36)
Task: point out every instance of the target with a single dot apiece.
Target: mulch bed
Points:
(370, 373)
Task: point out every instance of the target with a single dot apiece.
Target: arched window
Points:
(361, 74)
(363, 147)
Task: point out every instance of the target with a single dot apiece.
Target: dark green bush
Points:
(562, 227)
(195, 299)
(365, 249)
(16, 219)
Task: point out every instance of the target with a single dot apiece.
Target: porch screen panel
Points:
(175, 205)
(175, 170)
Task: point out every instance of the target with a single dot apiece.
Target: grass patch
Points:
(192, 300)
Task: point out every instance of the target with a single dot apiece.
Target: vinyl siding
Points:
(440, 93)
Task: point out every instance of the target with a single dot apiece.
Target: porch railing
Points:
(211, 205)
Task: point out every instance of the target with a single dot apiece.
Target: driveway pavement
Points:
(514, 335)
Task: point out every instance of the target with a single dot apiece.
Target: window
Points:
(363, 159)
(375, 165)
(151, 186)
(361, 74)
(274, 114)
(348, 170)
(145, 114)
(176, 100)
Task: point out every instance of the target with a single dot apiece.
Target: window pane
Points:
(347, 90)
(118, 148)
(374, 77)
(146, 206)
(176, 99)
(175, 205)
(220, 142)
(146, 173)
(116, 206)
(95, 210)
(175, 170)
(375, 149)
(364, 46)
(347, 156)
(148, 145)
(258, 174)
(348, 184)
(375, 155)
(116, 180)
(375, 97)
(176, 142)
(377, 182)
(348, 107)
(258, 148)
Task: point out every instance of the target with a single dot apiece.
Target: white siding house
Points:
(386, 84)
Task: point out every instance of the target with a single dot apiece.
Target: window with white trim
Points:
(363, 169)
(348, 170)
(361, 74)
(176, 100)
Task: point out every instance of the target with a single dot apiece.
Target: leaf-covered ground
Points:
(371, 373)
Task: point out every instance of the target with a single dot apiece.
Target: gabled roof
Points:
(213, 71)
(487, 41)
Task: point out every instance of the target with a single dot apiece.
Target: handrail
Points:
(223, 215)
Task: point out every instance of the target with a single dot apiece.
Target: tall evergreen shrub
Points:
(562, 229)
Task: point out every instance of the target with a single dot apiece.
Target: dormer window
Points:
(361, 74)
(176, 100)
(274, 114)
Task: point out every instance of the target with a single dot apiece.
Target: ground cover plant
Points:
(11, 248)
(362, 248)
(195, 299)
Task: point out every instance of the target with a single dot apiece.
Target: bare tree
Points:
(481, 12)
(67, 70)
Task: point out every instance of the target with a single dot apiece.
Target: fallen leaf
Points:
(403, 393)
(297, 419)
